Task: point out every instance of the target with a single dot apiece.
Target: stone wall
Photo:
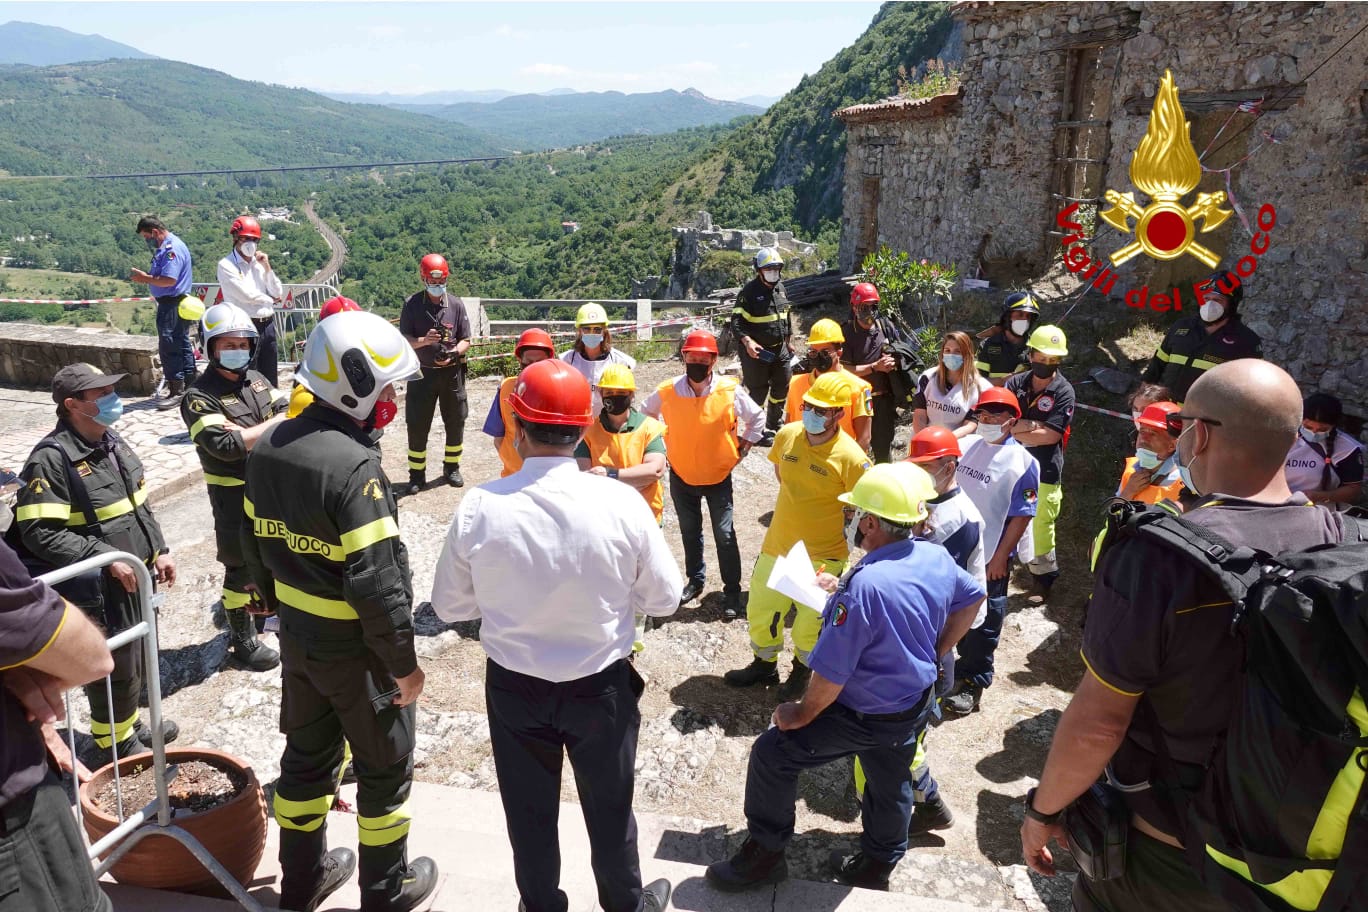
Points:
(973, 185)
(692, 241)
(30, 354)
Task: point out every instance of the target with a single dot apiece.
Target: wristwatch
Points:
(1037, 816)
(612, 473)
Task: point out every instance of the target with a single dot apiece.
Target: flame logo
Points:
(1166, 168)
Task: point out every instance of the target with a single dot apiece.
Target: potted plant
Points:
(214, 796)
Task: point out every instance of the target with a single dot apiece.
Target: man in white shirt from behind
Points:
(557, 562)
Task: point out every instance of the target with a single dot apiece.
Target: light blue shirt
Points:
(172, 259)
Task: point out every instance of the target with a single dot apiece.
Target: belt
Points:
(907, 714)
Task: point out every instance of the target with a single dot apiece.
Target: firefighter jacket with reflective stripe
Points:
(213, 403)
(322, 540)
(50, 518)
(701, 432)
(762, 313)
(999, 357)
(1188, 351)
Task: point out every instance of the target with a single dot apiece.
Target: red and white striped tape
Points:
(1102, 411)
(70, 300)
(617, 328)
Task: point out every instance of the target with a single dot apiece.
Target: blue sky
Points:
(724, 49)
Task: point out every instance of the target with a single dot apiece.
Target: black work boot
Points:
(932, 814)
(247, 649)
(733, 605)
(419, 881)
(655, 896)
(964, 699)
(170, 732)
(338, 866)
(453, 476)
(753, 866)
(797, 682)
(415, 484)
(859, 870)
(175, 389)
(757, 672)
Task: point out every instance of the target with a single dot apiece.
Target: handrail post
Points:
(643, 318)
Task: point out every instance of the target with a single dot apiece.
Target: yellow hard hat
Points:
(896, 491)
(190, 308)
(826, 332)
(617, 377)
(1049, 340)
(830, 390)
(591, 314)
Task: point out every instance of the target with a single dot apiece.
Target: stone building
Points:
(1055, 99)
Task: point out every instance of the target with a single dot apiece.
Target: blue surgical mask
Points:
(1146, 459)
(235, 359)
(110, 409)
(953, 362)
(436, 291)
(1311, 436)
(813, 423)
(592, 340)
(1185, 471)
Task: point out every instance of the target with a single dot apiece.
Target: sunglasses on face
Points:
(822, 413)
(1173, 422)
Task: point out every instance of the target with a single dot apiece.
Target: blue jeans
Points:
(975, 661)
(885, 747)
(688, 503)
(173, 340)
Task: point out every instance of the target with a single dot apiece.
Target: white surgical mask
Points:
(1020, 327)
(436, 291)
(1211, 311)
(991, 432)
(1185, 471)
(248, 248)
(1146, 459)
(1311, 436)
(771, 275)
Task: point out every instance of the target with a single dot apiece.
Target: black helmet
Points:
(1218, 282)
(1018, 300)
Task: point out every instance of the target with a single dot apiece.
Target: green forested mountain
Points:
(159, 115)
(44, 45)
(529, 122)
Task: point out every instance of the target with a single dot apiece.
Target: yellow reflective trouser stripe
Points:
(207, 421)
(749, 318)
(232, 599)
(42, 511)
(372, 532)
(225, 481)
(122, 730)
(378, 831)
(335, 609)
(419, 455)
(312, 812)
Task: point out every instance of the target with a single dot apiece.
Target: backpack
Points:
(902, 380)
(1280, 820)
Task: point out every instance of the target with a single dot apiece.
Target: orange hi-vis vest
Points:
(507, 454)
(861, 399)
(625, 450)
(701, 432)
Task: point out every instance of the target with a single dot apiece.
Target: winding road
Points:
(328, 274)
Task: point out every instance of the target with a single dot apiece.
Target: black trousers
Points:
(268, 353)
(768, 382)
(881, 428)
(226, 504)
(439, 386)
(533, 723)
(1157, 879)
(329, 695)
(43, 866)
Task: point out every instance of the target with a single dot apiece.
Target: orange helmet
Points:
(996, 395)
(864, 293)
(244, 226)
(434, 266)
(1156, 415)
(336, 306)
(552, 392)
(533, 338)
(700, 340)
(932, 443)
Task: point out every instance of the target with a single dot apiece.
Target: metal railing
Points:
(154, 819)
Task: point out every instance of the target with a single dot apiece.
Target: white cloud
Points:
(546, 69)
(385, 32)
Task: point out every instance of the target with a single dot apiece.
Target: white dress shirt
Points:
(249, 285)
(557, 563)
(750, 418)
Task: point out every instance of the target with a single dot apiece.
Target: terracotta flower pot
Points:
(234, 833)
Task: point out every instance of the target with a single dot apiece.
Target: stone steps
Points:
(463, 830)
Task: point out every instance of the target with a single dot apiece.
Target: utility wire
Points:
(276, 170)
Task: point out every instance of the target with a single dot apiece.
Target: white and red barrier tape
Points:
(615, 327)
(1102, 411)
(70, 301)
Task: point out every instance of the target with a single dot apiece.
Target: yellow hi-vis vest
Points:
(701, 432)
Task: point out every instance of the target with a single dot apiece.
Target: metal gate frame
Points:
(155, 818)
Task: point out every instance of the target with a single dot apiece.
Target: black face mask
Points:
(1044, 371)
(616, 405)
(824, 360)
(698, 372)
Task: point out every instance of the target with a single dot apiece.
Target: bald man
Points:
(1158, 628)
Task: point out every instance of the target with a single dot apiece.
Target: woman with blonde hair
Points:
(593, 350)
(948, 392)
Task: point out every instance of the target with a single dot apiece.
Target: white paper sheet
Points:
(794, 577)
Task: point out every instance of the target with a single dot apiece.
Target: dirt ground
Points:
(696, 731)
